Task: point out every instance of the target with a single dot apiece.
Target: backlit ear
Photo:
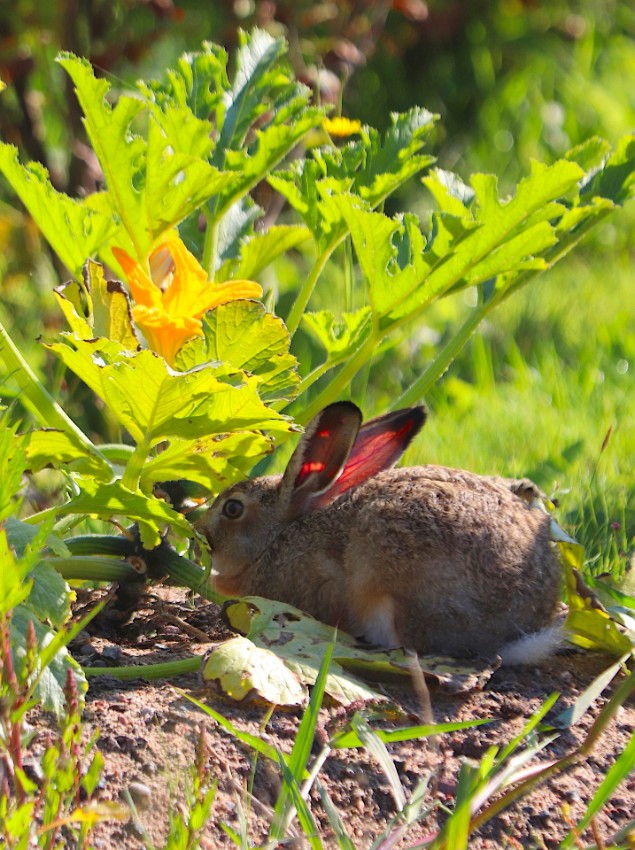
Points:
(379, 445)
(320, 455)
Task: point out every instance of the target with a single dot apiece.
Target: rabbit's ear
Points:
(379, 445)
(320, 456)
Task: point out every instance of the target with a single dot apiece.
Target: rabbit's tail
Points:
(534, 648)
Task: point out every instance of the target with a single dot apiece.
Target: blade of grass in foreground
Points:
(298, 760)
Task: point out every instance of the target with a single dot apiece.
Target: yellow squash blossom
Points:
(341, 127)
(172, 298)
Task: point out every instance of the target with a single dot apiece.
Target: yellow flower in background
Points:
(341, 127)
(172, 298)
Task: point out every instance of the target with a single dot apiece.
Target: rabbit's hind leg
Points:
(372, 616)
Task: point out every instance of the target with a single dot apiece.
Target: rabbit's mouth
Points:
(228, 585)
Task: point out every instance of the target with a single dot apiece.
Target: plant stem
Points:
(303, 296)
(341, 380)
(134, 467)
(100, 544)
(210, 247)
(36, 398)
(93, 568)
(444, 358)
(149, 671)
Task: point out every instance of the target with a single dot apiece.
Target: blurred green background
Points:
(541, 386)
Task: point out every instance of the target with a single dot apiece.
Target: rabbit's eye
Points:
(233, 508)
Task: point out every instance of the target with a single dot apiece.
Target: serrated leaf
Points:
(156, 403)
(616, 180)
(214, 461)
(50, 595)
(370, 168)
(50, 447)
(452, 195)
(115, 500)
(245, 336)
(257, 251)
(339, 336)
(74, 229)
(151, 184)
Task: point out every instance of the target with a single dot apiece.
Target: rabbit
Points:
(434, 559)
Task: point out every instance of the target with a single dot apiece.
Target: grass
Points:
(545, 390)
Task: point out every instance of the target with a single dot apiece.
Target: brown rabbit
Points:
(431, 558)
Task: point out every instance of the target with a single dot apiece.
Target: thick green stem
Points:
(444, 358)
(303, 296)
(93, 568)
(100, 544)
(36, 398)
(210, 247)
(134, 467)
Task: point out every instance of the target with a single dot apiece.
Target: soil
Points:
(148, 732)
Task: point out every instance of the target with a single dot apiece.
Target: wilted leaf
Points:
(240, 669)
(300, 641)
(111, 313)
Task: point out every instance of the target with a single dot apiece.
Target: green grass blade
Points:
(252, 741)
(298, 760)
(618, 771)
(342, 837)
(307, 822)
(377, 748)
(348, 738)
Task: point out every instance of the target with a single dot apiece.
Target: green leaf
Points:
(13, 462)
(257, 251)
(61, 449)
(15, 585)
(74, 229)
(245, 336)
(52, 676)
(340, 336)
(156, 403)
(214, 461)
(153, 183)
(115, 500)
(370, 168)
(50, 595)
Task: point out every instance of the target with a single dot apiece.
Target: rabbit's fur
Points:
(431, 558)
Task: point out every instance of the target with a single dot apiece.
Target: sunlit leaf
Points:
(245, 336)
(241, 669)
(58, 449)
(73, 228)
